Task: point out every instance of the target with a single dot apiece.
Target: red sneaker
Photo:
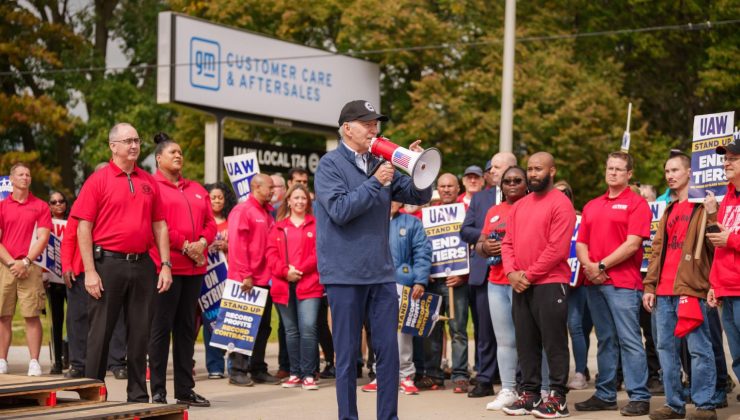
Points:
(407, 386)
(310, 384)
(371, 387)
(292, 382)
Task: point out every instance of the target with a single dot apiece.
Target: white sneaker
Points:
(578, 382)
(505, 398)
(3, 366)
(34, 368)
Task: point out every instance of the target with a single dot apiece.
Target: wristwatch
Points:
(167, 264)
(602, 266)
(26, 262)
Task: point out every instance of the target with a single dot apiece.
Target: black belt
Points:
(124, 256)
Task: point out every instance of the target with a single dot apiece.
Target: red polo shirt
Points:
(18, 220)
(121, 208)
(605, 225)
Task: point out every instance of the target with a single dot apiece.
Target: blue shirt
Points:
(353, 217)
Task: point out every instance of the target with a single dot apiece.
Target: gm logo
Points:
(205, 64)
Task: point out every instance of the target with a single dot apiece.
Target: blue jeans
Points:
(214, 355)
(702, 357)
(499, 303)
(731, 323)
(616, 315)
(301, 333)
(458, 331)
(579, 326)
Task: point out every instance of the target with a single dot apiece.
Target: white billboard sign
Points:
(212, 66)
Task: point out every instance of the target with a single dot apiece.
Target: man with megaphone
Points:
(354, 190)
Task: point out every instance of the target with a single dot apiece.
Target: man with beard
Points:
(609, 247)
(535, 256)
(485, 341)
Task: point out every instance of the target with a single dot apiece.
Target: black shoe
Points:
(636, 408)
(655, 386)
(595, 404)
(159, 399)
(329, 372)
(265, 378)
(473, 380)
(554, 406)
(240, 379)
(73, 372)
(481, 390)
(121, 373)
(194, 400)
(56, 369)
(524, 405)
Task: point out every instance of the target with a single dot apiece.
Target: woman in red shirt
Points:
(191, 227)
(513, 187)
(291, 255)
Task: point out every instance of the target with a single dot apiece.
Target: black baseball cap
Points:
(359, 110)
(732, 147)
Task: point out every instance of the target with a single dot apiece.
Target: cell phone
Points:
(97, 252)
(713, 229)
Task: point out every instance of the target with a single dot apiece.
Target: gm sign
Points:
(205, 63)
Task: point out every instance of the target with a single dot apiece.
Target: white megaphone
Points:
(423, 167)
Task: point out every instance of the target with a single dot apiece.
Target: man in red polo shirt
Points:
(120, 216)
(609, 247)
(20, 280)
(249, 226)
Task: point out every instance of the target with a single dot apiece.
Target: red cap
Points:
(689, 316)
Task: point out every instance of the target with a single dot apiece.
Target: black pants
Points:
(173, 314)
(322, 323)
(256, 362)
(541, 321)
(57, 295)
(78, 327)
(129, 285)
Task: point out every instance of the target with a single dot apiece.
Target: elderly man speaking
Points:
(355, 264)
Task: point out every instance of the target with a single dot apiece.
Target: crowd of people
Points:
(134, 255)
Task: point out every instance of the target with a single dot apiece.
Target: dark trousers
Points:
(350, 305)
(283, 356)
(78, 327)
(541, 321)
(485, 341)
(242, 364)
(131, 286)
(173, 314)
(325, 341)
(476, 330)
(57, 295)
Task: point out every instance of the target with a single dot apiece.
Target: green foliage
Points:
(571, 95)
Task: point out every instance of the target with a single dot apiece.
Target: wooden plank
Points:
(41, 388)
(104, 410)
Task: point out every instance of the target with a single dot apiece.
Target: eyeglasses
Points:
(56, 202)
(129, 141)
(732, 159)
(514, 181)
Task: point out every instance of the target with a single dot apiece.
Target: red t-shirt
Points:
(122, 218)
(18, 220)
(676, 227)
(605, 225)
(496, 221)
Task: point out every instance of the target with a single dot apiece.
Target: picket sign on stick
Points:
(451, 304)
(626, 135)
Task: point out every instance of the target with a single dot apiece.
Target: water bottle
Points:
(496, 259)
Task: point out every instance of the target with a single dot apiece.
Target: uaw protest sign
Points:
(450, 255)
(707, 172)
(239, 318)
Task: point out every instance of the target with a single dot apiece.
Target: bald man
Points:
(535, 257)
(485, 341)
(249, 225)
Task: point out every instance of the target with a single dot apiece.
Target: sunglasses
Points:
(512, 181)
(56, 202)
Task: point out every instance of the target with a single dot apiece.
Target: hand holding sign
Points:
(710, 203)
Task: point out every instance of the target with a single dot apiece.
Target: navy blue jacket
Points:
(411, 250)
(471, 230)
(353, 218)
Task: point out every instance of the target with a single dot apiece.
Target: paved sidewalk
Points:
(274, 402)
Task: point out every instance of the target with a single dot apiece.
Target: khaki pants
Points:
(28, 292)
